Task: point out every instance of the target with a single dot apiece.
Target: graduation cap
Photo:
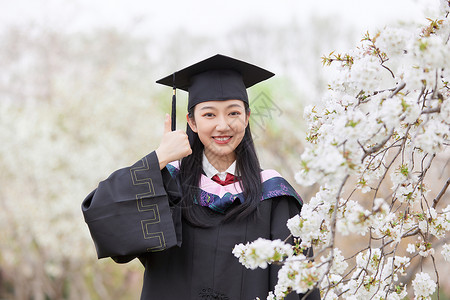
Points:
(216, 78)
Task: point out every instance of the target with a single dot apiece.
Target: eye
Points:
(208, 115)
(235, 113)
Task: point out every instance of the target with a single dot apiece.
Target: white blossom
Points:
(367, 72)
(353, 218)
(411, 248)
(446, 252)
(339, 265)
(423, 286)
(431, 136)
(296, 274)
(260, 253)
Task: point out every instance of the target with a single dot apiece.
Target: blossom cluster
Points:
(423, 285)
(299, 273)
(371, 143)
(262, 252)
(375, 274)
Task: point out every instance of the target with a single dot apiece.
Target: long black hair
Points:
(247, 167)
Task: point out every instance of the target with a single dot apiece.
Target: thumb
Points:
(167, 124)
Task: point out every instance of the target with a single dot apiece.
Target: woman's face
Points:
(220, 126)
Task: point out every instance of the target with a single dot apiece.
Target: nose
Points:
(222, 124)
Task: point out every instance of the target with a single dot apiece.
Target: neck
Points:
(221, 163)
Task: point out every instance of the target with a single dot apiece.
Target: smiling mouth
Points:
(222, 139)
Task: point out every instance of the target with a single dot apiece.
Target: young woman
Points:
(182, 208)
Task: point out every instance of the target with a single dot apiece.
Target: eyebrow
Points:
(229, 106)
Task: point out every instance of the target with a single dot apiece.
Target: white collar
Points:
(210, 171)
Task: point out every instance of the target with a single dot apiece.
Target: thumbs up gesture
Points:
(174, 145)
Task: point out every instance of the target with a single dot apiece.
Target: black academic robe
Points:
(132, 214)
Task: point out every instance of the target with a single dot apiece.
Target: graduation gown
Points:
(133, 213)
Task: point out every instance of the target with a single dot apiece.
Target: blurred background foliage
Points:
(75, 106)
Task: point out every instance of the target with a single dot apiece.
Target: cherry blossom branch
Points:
(377, 147)
(437, 276)
(380, 132)
(333, 227)
(381, 56)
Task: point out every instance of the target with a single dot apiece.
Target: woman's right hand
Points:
(174, 145)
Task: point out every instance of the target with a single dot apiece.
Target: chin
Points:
(222, 152)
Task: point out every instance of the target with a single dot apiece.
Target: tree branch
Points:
(441, 193)
(399, 87)
(431, 110)
(378, 146)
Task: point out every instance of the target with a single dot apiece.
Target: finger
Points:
(167, 124)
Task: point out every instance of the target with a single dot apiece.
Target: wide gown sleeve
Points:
(129, 213)
(283, 209)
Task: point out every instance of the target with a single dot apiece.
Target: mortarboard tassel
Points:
(174, 106)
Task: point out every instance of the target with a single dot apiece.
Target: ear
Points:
(247, 117)
(191, 123)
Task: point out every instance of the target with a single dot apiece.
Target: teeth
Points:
(222, 138)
